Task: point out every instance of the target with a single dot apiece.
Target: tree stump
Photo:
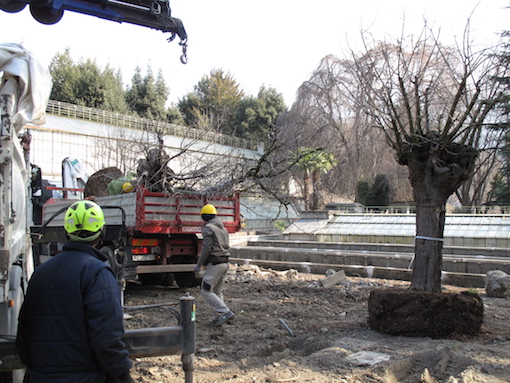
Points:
(398, 311)
(97, 185)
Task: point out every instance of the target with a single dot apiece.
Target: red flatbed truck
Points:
(153, 238)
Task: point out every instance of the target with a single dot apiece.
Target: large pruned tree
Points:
(432, 103)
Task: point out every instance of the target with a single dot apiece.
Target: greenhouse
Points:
(474, 230)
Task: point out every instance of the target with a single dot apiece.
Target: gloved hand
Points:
(197, 268)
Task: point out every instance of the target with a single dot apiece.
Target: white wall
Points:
(98, 145)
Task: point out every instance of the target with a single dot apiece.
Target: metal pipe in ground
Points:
(188, 324)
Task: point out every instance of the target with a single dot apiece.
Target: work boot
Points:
(224, 318)
(213, 321)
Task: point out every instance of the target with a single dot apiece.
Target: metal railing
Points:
(64, 109)
(461, 210)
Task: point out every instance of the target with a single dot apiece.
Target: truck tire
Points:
(169, 279)
(15, 376)
(151, 279)
(6, 377)
(185, 280)
(13, 6)
(45, 15)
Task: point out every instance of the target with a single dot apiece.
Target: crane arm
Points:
(154, 14)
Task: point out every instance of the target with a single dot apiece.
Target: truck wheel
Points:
(6, 377)
(187, 280)
(169, 279)
(151, 279)
(13, 6)
(46, 15)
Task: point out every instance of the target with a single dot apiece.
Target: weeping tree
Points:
(432, 103)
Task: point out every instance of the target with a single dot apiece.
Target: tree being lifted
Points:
(433, 104)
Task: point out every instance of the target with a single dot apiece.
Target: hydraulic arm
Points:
(154, 14)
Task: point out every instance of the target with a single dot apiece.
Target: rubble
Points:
(330, 325)
(497, 284)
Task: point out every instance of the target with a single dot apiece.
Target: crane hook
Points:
(184, 56)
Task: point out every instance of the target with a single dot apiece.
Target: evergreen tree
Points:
(116, 94)
(63, 72)
(174, 116)
(363, 192)
(380, 191)
(133, 92)
(215, 99)
(257, 115)
(89, 87)
(85, 83)
(147, 96)
(376, 193)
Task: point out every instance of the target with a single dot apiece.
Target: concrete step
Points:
(377, 247)
(455, 279)
(466, 271)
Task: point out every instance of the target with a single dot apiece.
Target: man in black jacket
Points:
(70, 326)
(214, 255)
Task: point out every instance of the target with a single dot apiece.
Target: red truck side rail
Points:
(179, 213)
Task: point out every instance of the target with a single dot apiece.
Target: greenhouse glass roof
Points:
(473, 226)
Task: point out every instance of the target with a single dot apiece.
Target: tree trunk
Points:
(307, 190)
(430, 195)
(315, 190)
(436, 170)
(428, 261)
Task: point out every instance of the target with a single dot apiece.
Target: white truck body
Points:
(21, 101)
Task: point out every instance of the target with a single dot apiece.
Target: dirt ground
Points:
(289, 329)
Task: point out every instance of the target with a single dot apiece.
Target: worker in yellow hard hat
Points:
(72, 311)
(214, 255)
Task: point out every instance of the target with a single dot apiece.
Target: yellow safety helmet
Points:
(127, 187)
(84, 221)
(208, 209)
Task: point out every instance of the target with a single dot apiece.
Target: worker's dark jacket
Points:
(215, 243)
(70, 325)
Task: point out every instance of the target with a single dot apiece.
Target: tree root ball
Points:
(398, 311)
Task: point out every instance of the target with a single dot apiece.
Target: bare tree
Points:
(120, 149)
(327, 114)
(431, 102)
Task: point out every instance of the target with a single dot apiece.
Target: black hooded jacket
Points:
(70, 325)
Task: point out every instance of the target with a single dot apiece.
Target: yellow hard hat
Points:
(127, 187)
(84, 221)
(208, 209)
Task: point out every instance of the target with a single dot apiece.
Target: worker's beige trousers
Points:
(212, 286)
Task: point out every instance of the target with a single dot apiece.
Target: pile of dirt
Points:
(288, 327)
(399, 311)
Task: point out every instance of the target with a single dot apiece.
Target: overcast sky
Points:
(276, 43)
